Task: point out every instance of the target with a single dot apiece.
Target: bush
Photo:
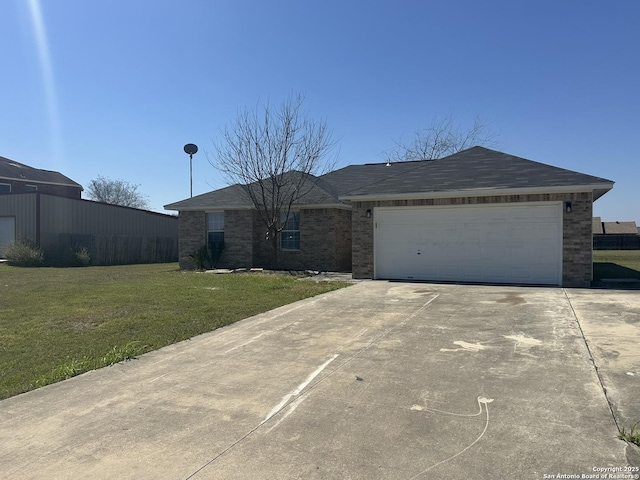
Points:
(23, 253)
(201, 258)
(83, 257)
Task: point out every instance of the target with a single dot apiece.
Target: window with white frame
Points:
(31, 188)
(5, 188)
(290, 234)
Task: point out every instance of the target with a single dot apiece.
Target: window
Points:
(215, 233)
(5, 188)
(290, 235)
(31, 188)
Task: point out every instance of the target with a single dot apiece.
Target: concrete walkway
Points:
(378, 380)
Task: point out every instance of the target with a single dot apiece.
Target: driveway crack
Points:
(593, 361)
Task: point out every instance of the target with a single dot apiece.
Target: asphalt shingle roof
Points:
(10, 169)
(596, 226)
(620, 228)
(474, 168)
(317, 192)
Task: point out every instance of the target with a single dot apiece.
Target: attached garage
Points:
(475, 216)
(7, 232)
(497, 243)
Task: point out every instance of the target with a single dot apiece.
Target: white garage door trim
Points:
(7, 232)
(496, 243)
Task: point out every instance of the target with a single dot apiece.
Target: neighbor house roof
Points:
(619, 228)
(475, 171)
(596, 226)
(317, 192)
(12, 170)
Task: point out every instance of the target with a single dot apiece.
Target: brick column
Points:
(192, 234)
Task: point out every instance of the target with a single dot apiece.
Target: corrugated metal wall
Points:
(111, 234)
(22, 206)
(65, 215)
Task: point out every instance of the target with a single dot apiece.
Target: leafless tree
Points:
(442, 138)
(276, 156)
(116, 192)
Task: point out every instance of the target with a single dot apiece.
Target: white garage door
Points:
(7, 232)
(497, 244)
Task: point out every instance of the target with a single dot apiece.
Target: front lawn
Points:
(616, 264)
(59, 322)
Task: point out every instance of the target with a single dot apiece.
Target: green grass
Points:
(616, 264)
(59, 322)
(632, 436)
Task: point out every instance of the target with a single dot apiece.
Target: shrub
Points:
(201, 258)
(23, 253)
(83, 257)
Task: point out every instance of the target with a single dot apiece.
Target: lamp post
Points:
(190, 149)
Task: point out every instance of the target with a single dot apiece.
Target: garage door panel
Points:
(7, 232)
(517, 244)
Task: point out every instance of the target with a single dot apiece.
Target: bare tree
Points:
(442, 138)
(116, 192)
(276, 156)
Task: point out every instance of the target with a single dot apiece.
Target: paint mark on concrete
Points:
(524, 341)
(481, 401)
(359, 333)
(292, 406)
(158, 378)
(245, 343)
(297, 390)
(465, 346)
(418, 408)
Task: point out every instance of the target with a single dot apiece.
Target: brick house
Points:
(476, 216)
(615, 235)
(17, 178)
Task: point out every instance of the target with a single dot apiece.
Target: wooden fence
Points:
(121, 249)
(616, 242)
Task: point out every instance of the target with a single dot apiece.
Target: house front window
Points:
(31, 188)
(290, 235)
(5, 188)
(215, 232)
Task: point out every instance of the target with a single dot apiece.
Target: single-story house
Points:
(615, 235)
(476, 216)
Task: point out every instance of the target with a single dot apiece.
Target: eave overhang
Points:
(598, 190)
(217, 208)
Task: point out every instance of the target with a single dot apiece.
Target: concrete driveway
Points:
(378, 380)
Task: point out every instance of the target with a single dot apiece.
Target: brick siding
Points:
(577, 241)
(192, 234)
(238, 239)
(577, 268)
(325, 240)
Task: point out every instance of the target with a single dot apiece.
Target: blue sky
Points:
(117, 88)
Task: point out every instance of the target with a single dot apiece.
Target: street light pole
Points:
(190, 149)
